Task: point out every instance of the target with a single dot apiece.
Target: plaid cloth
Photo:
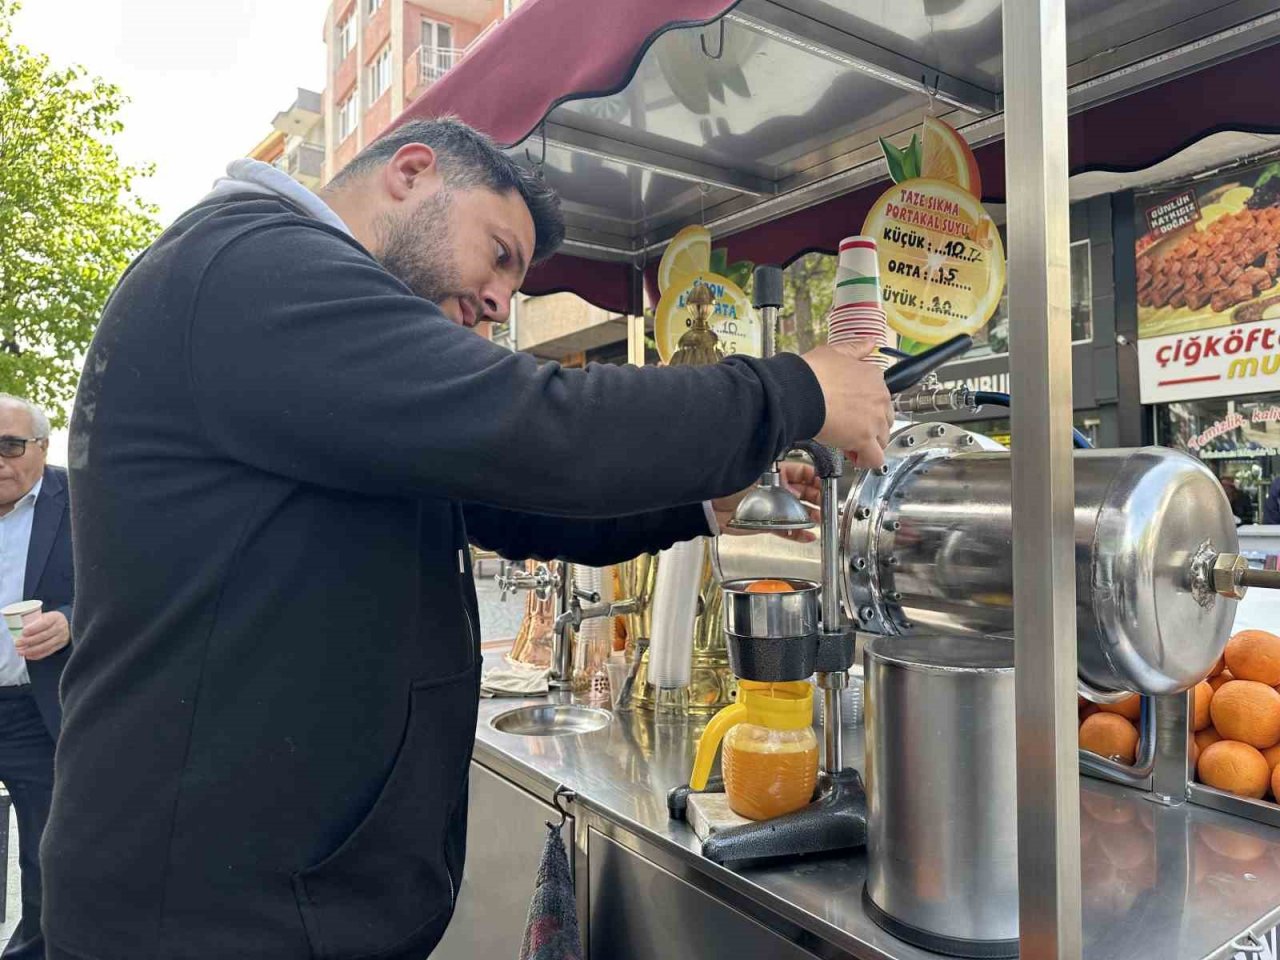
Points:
(551, 932)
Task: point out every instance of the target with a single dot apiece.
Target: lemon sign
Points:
(686, 263)
(733, 319)
(942, 265)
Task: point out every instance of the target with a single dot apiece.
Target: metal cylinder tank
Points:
(942, 850)
(927, 547)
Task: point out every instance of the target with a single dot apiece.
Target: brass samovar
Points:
(712, 684)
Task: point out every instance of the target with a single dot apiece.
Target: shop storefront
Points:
(1207, 284)
(1094, 367)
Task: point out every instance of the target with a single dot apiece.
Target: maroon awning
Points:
(550, 51)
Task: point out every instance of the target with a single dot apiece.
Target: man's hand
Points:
(796, 477)
(44, 635)
(859, 410)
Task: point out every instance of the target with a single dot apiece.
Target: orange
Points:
(1254, 655)
(945, 155)
(1130, 707)
(770, 586)
(1275, 782)
(1247, 711)
(1224, 677)
(1204, 694)
(1195, 754)
(1235, 767)
(1109, 735)
(1219, 666)
(1087, 712)
(1272, 756)
(1207, 736)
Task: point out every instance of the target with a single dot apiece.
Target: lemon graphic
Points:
(734, 320)
(689, 252)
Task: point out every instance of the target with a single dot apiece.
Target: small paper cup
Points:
(16, 615)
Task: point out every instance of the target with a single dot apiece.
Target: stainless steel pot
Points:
(942, 857)
(927, 546)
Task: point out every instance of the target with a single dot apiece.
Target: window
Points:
(994, 337)
(348, 116)
(345, 37)
(380, 75)
(371, 7)
(437, 53)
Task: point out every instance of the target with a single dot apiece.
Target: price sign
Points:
(942, 264)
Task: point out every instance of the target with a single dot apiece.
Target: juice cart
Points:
(762, 120)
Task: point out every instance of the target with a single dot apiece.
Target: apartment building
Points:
(296, 141)
(382, 54)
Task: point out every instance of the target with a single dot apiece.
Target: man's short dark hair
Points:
(468, 158)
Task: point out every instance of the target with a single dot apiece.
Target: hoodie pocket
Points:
(388, 888)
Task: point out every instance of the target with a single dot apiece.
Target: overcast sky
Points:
(205, 78)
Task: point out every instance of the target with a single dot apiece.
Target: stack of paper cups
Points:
(857, 312)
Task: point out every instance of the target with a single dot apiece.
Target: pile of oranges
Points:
(1236, 720)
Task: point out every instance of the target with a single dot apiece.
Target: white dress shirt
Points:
(15, 540)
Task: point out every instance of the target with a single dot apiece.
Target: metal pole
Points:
(1035, 90)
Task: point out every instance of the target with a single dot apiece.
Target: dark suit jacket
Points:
(50, 578)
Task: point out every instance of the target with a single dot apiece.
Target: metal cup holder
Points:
(771, 636)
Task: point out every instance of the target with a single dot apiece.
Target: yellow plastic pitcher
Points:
(770, 750)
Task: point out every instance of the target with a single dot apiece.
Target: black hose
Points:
(996, 399)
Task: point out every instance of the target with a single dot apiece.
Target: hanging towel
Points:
(551, 932)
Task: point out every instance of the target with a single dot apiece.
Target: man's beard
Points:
(416, 250)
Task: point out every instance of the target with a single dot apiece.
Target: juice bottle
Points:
(770, 750)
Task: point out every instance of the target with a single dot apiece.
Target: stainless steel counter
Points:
(1159, 883)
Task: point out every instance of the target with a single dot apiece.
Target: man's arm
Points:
(306, 359)
(596, 543)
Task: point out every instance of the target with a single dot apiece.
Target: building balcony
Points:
(426, 65)
(301, 116)
(305, 163)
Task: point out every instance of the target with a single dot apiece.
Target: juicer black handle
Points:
(907, 373)
(766, 291)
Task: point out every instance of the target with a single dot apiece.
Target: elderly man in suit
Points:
(35, 564)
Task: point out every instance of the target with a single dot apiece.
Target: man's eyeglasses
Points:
(13, 447)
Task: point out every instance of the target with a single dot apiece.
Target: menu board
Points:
(1207, 262)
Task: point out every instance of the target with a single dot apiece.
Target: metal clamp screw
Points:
(893, 525)
(938, 431)
(862, 513)
(908, 441)
(866, 614)
(860, 563)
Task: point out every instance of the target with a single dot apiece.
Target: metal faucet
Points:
(572, 614)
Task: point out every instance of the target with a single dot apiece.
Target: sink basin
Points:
(550, 720)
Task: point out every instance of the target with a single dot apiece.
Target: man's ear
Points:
(412, 169)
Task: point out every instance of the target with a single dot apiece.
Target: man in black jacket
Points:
(35, 564)
(283, 441)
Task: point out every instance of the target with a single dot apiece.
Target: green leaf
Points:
(719, 260)
(911, 161)
(896, 160)
(740, 272)
(907, 345)
(1268, 172)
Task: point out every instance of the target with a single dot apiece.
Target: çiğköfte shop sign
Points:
(1208, 276)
